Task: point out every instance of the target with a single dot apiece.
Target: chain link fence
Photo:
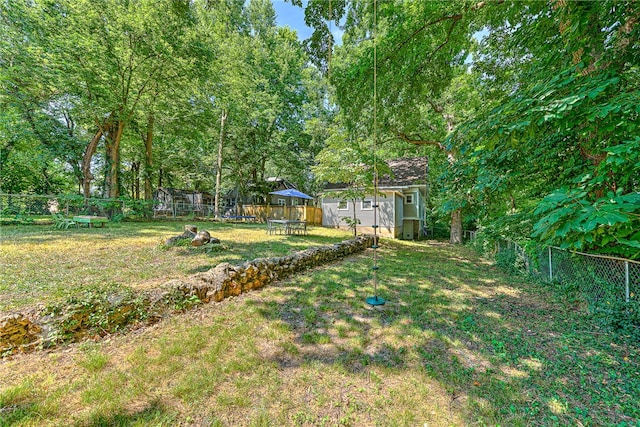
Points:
(29, 205)
(598, 278)
(601, 278)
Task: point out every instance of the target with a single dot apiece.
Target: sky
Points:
(288, 15)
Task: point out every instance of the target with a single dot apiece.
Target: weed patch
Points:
(95, 311)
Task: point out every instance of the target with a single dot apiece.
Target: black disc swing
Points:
(375, 299)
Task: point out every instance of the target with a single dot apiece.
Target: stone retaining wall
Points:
(26, 331)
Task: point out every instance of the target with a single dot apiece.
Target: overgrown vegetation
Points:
(620, 317)
(96, 312)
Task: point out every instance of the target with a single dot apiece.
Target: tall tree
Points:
(416, 51)
(265, 96)
(109, 56)
(35, 109)
(566, 80)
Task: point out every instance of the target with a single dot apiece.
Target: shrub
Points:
(511, 262)
(619, 316)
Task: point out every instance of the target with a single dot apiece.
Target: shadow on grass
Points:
(16, 414)
(505, 350)
(154, 414)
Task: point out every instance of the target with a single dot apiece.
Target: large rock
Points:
(17, 331)
(187, 234)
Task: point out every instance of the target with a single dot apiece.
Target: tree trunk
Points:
(456, 227)
(216, 200)
(456, 216)
(135, 180)
(355, 220)
(87, 177)
(148, 158)
(112, 182)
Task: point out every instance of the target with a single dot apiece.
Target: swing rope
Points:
(375, 299)
(330, 50)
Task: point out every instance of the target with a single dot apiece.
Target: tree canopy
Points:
(134, 90)
(528, 110)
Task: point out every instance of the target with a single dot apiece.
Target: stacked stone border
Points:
(105, 313)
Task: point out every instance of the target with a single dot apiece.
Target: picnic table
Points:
(90, 220)
(286, 226)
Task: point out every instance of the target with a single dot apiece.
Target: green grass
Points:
(43, 264)
(458, 343)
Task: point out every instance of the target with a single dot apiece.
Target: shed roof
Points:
(404, 172)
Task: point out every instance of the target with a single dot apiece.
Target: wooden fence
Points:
(311, 214)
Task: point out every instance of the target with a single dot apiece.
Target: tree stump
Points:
(198, 238)
(201, 238)
(187, 234)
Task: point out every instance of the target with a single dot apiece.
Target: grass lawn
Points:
(41, 263)
(458, 343)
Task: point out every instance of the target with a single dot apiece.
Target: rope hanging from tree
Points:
(330, 49)
(375, 299)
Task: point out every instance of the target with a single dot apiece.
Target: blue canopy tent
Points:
(288, 210)
(290, 192)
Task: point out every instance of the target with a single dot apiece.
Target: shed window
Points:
(282, 202)
(367, 205)
(294, 202)
(343, 205)
(409, 199)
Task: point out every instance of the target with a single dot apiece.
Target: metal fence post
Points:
(626, 280)
(550, 266)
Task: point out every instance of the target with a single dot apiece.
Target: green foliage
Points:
(107, 309)
(511, 262)
(118, 217)
(351, 222)
(151, 77)
(560, 148)
(348, 160)
(619, 317)
(135, 208)
(181, 302)
(575, 219)
(94, 311)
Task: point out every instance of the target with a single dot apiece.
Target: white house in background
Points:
(401, 201)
